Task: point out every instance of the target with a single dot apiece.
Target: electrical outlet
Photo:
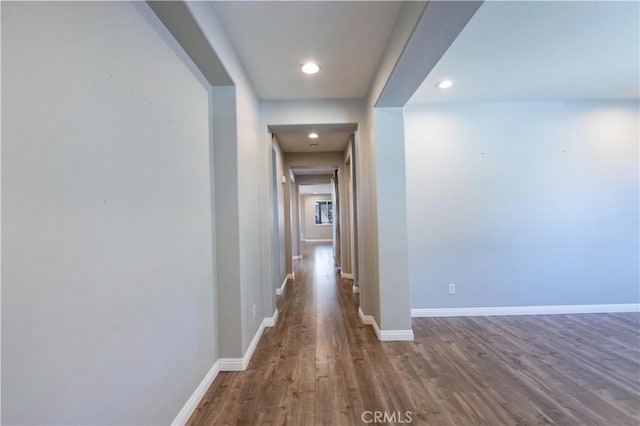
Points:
(452, 289)
(254, 311)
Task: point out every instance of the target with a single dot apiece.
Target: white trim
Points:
(318, 241)
(280, 289)
(347, 276)
(355, 288)
(241, 364)
(297, 257)
(396, 335)
(368, 320)
(525, 310)
(223, 364)
(272, 320)
(291, 276)
(385, 335)
(233, 364)
(192, 403)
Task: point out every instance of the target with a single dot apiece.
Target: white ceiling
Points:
(511, 51)
(273, 39)
(331, 136)
(315, 189)
(313, 175)
(326, 141)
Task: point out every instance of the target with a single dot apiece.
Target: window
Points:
(324, 213)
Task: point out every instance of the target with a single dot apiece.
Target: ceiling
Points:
(314, 171)
(326, 142)
(315, 189)
(511, 51)
(313, 175)
(332, 137)
(273, 39)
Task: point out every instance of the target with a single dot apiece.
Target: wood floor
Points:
(320, 366)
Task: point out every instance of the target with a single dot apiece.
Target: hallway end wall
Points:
(311, 231)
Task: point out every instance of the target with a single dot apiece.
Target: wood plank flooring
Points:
(320, 366)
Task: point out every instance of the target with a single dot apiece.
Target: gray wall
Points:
(391, 217)
(283, 232)
(253, 182)
(294, 229)
(108, 275)
(345, 213)
(368, 161)
(523, 203)
(310, 230)
(227, 218)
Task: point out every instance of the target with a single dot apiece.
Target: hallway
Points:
(167, 165)
(321, 366)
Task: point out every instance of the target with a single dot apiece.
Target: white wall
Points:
(108, 276)
(523, 203)
(310, 230)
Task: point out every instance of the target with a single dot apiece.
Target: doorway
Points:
(317, 203)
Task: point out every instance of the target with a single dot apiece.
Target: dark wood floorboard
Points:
(320, 366)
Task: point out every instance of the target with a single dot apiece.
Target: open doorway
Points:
(318, 197)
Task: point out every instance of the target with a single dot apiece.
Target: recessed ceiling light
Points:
(310, 68)
(444, 84)
(313, 135)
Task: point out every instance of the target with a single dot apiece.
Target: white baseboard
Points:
(355, 288)
(318, 241)
(241, 364)
(396, 335)
(272, 320)
(223, 364)
(347, 276)
(192, 403)
(368, 320)
(291, 276)
(280, 289)
(385, 335)
(233, 364)
(297, 257)
(525, 310)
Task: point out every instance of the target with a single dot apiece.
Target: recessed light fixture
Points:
(310, 68)
(313, 135)
(444, 84)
